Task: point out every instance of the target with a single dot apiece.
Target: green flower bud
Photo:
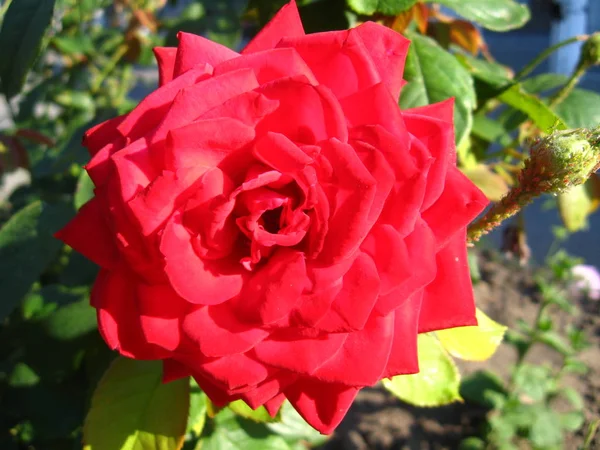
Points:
(590, 52)
(562, 160)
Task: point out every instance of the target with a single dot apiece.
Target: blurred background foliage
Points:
(66, 65)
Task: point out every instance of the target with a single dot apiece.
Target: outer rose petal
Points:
(161, 310)
(388, 50)
(403, 355)
(363, 357)
(165, 57)
(114, 296)
(270, 65)
(89, 234)
(448, 301)
(103, 134)
(174, 370)
(193, 50)
(285, 23)
(339, 60)
(149, 113)
(460, 202)
(323, 405)
(437, 136)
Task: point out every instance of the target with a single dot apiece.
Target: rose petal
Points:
(307, 114)
(413, 273)
(193, 50)
(249, 108)
(206, 143)
(322, 405)
(149, 113)
(363, 357)
(351, 308)
(272, 291)
(285, 23)
(403, 355)
(448, 301)
(218, 332)
(273, 405)
(103, 134)
(165, 57)
(89, 234)
(160, 310)
(174, 370)
(437, 136)
(114, 296)
(388, 50)
(270, 65)
(351, 196)
(460, 202)
(338, 59)
(135, 169)
(200, 282)
(288, 350)
(193, 101)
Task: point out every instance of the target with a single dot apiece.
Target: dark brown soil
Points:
(507, 293)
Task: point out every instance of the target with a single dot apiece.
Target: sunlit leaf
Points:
(473, 343)
(388, 7)
(535, 109)
(497, 15)
(492, 185)
(437, 382)
(133, 410)
(257, 415)
(428, 84)
(575, 205)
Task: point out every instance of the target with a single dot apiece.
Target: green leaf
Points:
(293, 427)
(572, 421)
(472, 443)
(544, 82)
(555, 341)
(21, 40)
(232, 432)
(388, 7)
(478, 386)
(84, 191)
(428, 84)
(71, 321)
(27, 247)
(476, 343)
(133, 410)
(546, 429)
(574, 207)
(23, 376)
(580, 109)
(491, 184)
(496, 15)
(533, 382)
(436, 384)
(197, 415)
(537, 111)
(259, 415)
(490, 130)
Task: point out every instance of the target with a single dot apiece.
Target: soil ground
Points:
(507, 293)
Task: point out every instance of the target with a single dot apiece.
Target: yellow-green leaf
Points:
(133, 410)
(473, 343)
(256, 415)
(574, 206)
(535, 109)
(437, 382)
(491, 184)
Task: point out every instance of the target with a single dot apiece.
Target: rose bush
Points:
(272, 224)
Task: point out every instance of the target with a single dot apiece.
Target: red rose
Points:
(273, 225)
